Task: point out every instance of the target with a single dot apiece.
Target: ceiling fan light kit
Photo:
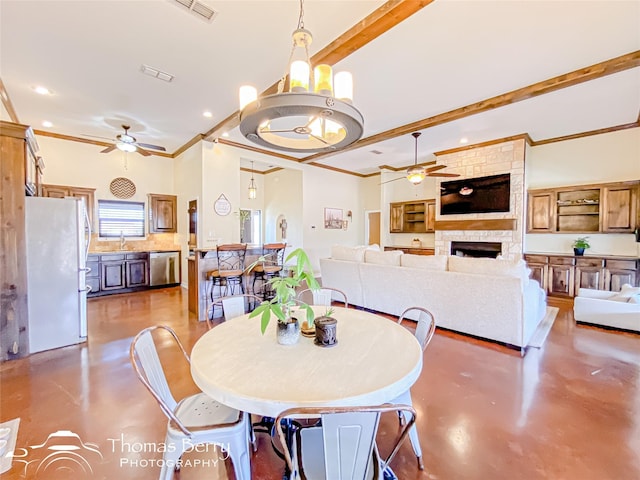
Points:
(315, 115)
(126, 143)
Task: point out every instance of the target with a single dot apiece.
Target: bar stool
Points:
(228, 277)
(272, 265)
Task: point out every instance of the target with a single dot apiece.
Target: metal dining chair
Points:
(424, 331)
(342, 446)
(233, 306)
(228, 277)
(196, 419)
(323, 296)
(263, 271)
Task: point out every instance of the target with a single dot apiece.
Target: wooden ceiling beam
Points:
(371, 27)
(608, 67)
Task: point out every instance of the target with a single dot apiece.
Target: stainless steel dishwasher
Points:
(165, 268)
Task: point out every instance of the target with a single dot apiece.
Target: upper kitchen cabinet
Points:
(62, 191)
(619, 208)
(163, 213)
(602, 208)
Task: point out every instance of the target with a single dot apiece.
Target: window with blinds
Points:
(116, 218)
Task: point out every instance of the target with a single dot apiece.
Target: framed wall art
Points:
(333, 218)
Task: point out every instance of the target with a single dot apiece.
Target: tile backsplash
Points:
(153, 241)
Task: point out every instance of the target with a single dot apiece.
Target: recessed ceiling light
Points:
(47, 124)
(225, 134)
(42, 90)
(464, 140)
(207, 114)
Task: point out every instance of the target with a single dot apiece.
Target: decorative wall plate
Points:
(222, 206)
(122, 187)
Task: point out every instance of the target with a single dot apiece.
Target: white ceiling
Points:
(447, 55)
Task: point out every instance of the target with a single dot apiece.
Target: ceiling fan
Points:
(417, 173)
(127, 143)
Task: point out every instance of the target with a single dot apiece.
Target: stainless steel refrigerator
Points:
(58, 236)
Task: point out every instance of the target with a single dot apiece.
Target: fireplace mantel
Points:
(477, 224)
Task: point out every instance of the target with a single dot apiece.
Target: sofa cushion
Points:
(627, 294)
(430, 262)
(351, 254)
(490, 266)
(391, 257)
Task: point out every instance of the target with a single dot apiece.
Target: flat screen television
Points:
(475, 195)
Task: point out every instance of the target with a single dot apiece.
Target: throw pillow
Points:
(349, 254)
(490, 266)
(391, 257)
(429, 262)
(626, 293)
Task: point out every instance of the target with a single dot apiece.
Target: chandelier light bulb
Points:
(343, 83)
(299, 76)
(323, 77)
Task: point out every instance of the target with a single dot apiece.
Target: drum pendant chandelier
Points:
(316, 114)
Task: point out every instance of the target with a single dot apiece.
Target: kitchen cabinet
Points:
(395, 221)
(120, 272)
(61, 191)
(92, 277)
(603, 208)
(619, 209)
(619, 272)
(162, 213)
(563, 275)
(412, 217)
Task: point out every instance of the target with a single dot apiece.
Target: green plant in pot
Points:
(580, 244)
(284, 299)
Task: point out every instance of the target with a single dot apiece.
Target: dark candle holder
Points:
(326, 331)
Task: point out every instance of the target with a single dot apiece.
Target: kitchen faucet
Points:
(122, 240)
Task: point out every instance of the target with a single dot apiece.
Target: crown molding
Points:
(8, 105)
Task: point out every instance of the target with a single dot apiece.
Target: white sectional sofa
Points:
(487, 298)
(609, 309)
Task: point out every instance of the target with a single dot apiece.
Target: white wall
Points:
(609, 157)
(283, 198)
(327, 189)
(187, 174)
(220, 176)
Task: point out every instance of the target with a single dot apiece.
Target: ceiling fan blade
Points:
(152, 147)
(142, 151)
(443, 174)
(434, 168)
(110, 148)
(389, 181)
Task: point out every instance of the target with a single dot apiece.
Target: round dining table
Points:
(374, 360)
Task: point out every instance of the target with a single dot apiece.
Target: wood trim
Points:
(598, 70)
(404, 168)
(8, 105)
(477, 224)
(335, 169)
(272, 170)
(513, 138)
(13, 130)
(588, 186)
(590, 133)
(89, 141)
(251, 148)
(371, 27)
(187, 145)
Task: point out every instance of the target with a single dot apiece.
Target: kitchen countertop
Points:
(136, 250)
(586, 255)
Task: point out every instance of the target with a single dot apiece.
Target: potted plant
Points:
(579, 245)
(284, 298)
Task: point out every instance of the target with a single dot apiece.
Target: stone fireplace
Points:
(503, 228)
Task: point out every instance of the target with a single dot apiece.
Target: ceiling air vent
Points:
(199, 9)
(376, 152)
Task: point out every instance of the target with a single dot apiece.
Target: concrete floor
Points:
(567, 411)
